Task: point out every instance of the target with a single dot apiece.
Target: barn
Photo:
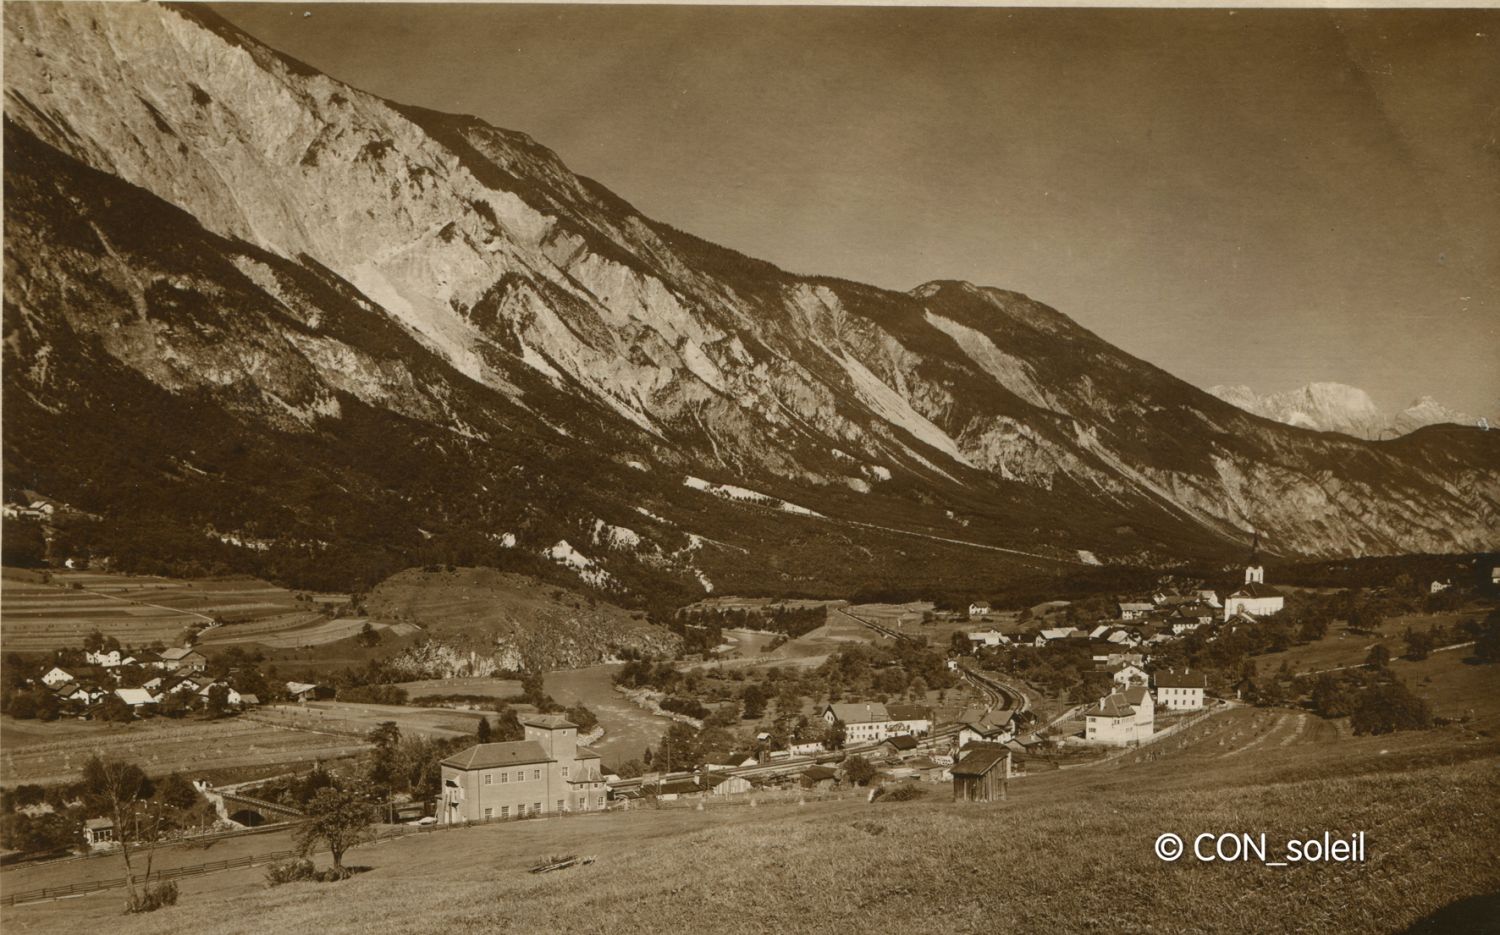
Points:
(981, 775)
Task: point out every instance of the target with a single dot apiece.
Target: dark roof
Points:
(492, 755)
(1256, 589)
(980, 761)
(907, 712)
(903, 742)
(547, 721)
(676, 786)
(818, 773)
(587, 753)
(1180, 680)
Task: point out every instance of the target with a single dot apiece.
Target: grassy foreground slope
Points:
(1048, 860)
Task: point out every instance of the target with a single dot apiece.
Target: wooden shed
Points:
(981, 775)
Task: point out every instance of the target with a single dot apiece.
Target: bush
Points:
(901, 792)
(1383, 709)
(153, 896)
(290, 871)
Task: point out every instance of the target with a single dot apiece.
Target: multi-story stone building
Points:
(546, 773)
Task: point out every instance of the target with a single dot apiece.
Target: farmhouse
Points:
(101, 658)
(1180, 692)
(1128, 675)
(990, 637)
(234, 697)
(991, 726)
(872, 722)
(302, 691)
(135, 697)
(1134, 610)
(55, 677)
(182, 659)
(981, 775)
(979, 608)
(548, 772)
(1122, 718)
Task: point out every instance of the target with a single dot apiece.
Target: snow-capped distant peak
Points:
(1337, 407)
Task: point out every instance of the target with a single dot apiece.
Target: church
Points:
(1255, 598)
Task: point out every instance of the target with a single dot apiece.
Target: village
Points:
(887, 700)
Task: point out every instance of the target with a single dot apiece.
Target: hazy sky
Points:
(1264, 197)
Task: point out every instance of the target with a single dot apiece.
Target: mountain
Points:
(256, 318)
(1338, 407)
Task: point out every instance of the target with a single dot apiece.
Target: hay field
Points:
(163, 746)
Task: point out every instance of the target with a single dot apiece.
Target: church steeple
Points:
(1254, 573)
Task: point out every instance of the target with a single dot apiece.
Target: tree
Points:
(1418, 644)
(837, 734)
(368, 636)
(1379, 657)
(754, 698)
(336, 819)
(385, 736)
(218, 701)
(1487, 643)
(175, 790)
(581, 715)
(115, 709)
(1388, 707)
(859, 770)
(1331, 698)
(482, 731)
(958, 643)
(120, 786)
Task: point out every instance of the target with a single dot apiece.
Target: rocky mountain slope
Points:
(243, 298)
(1338, 407)
(478, 620)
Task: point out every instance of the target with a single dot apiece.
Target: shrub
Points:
(290, 871)
(901, 792)
(153, 896)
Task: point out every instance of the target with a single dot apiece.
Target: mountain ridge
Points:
(401, 274)
(1339, 407)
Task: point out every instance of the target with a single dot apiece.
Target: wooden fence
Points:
(172, 873)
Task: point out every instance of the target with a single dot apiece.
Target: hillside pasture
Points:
(57, 611)
(888, 867)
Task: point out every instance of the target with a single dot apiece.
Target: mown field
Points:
(55, 611)
(48, 753)
(1067, 851)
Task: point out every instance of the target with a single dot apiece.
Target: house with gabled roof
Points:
(182, 659)
(1180, 691)
(871, 721)
(546, 773)
(56, 676)
(1121, 718)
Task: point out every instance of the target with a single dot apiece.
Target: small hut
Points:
(981, 775)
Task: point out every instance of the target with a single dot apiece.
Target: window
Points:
(601, 801)
(489, 813)
(565, 772)
(489, 779)
(521, 810)
(560, 806)
(505, 811)
(536, 774)
(536, 808)
(504, 776)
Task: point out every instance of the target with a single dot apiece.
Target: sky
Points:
(1258, 197)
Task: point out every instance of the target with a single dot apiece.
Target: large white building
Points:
(546, 773)
(1122, 718)
(872, 722)
(1180, 691)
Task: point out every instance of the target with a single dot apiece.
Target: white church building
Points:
(1255, 598)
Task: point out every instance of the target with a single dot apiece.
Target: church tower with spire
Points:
(1254, 572)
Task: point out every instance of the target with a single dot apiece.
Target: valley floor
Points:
(1067, 851)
